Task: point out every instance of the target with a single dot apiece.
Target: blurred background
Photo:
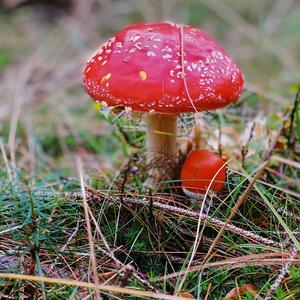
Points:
(44, 46)
(46, 119)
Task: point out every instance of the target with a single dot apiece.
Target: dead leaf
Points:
(186, 295)
(235, 293)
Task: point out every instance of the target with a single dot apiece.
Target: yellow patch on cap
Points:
(143, 75)
(105, 77)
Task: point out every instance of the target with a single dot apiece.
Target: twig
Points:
(264, 259)
(294, 111)
(282, 274)
(89, 229)
(245, 148)
(286, 161)
(11, 229)
(264, 183)
(87, 285)
(5, 159)
(96, 195)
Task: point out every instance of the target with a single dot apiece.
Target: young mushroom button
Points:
(163, 69)
(202, 170)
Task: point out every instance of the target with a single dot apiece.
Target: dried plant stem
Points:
(282, 274)
(89, 229)
(87, 285)
(9, 230)
(205, 218)
(96, 195)
(5, 159)
(265, 259)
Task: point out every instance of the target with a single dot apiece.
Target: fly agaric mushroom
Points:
(202, 170)
(163, 69)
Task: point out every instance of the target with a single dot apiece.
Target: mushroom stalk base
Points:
(161, 147)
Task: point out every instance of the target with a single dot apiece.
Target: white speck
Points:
(150, 53)
(167, 49)
(166, 56)
(217, 54)
(189, 68)
(119, 45)
(132, 50)
(107, 51)
(138, 46)
(135, 37)
(180, 75)
(194, 66)
(179, 54)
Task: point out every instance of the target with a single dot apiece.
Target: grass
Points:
(139, 245)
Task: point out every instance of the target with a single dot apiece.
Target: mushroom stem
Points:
(161, 146)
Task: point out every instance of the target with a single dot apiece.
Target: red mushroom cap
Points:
(199, 169)
(141, 67)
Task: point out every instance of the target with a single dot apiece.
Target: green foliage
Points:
(5, 57)
(295, 274)
(280, 294)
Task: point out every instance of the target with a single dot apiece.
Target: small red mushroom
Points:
(163, 69)
(202, 170)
